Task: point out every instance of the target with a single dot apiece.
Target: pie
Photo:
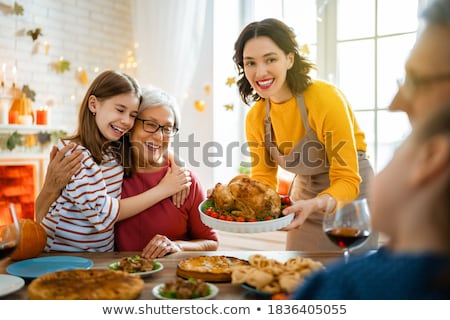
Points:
(81, 284)
(208, 268)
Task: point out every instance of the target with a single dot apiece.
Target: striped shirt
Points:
(83, 216)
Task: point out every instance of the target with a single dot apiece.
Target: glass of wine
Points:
(349, 226)
(9, 230)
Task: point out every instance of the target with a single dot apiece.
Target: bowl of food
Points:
(245, 205)
(137, 265)
(185, 289)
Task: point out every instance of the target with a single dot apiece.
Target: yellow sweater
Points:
(330, 116)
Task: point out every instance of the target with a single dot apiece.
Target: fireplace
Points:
(20, 182)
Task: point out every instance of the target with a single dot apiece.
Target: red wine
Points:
(347, 237)
(6, 247)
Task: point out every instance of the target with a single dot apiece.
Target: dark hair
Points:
(297, 77)
(107, 84)
(437, 13)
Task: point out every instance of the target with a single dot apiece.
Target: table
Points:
(227, 291)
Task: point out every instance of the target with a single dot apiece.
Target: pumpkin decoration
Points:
(32, 240)
(23, 106)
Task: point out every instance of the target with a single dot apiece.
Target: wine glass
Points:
(349, 226)
(9, 231)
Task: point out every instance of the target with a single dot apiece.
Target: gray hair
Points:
(437, 13)
(155, 97)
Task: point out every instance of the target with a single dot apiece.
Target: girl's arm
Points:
(178, 198)
(59, 171)
(61, 168)
(174, 181)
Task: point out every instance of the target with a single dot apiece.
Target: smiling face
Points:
(149, 148)
(429, 58)
(116, 115)
(265, 67)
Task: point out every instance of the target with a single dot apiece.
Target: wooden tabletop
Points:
(227, 291)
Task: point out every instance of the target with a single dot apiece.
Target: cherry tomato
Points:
(209, 211)
(230, 218)
(268, 218)
(280, 296)
(240, 219)
(252, 220)
(286, 200)
(215, 214)
(223, 217)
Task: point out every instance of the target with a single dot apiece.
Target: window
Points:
(360, 46)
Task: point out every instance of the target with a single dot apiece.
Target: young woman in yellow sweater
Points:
(303, 125)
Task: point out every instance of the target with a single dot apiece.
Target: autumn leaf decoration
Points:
(61, 65)
(17, 9)
(82, 76)
(34, 34)
(230, 81)
(31, 94)
(15, 139)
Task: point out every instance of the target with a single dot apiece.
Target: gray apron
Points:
(308, 161)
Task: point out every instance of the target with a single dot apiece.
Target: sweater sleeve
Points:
(329, 116)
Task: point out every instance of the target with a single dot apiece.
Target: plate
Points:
(256, 292)
(33, 268)
(156, 268)
(10, 284)
(212, 289)
(242, 227)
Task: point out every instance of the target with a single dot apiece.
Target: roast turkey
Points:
(247, 197)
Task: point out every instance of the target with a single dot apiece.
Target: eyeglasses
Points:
(153, 127)
(412, 83)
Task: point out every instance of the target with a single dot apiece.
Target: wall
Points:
(93, 35)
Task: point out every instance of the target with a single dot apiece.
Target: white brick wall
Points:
(89, 33)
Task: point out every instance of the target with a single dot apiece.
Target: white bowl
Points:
(244, 227)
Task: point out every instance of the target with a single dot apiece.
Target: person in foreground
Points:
(305, 126)
(410, 204)
(162, 228)
(82, 217)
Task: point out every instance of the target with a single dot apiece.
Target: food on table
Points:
(86, 285)
(185, 289)
(247, 198)
(209, 268)
(134, 264)
(32, 240)
(272, 276)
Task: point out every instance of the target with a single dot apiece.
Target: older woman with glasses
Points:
(164, 227)
(170, 225)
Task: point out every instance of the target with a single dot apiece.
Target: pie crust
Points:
(208, 268)
(85, 284)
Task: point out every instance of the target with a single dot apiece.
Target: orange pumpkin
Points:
(23, 106)
(32, 240)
